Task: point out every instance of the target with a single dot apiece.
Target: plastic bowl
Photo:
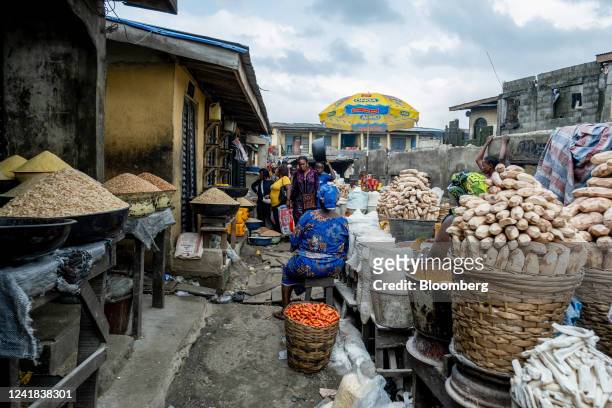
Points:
(260, 241)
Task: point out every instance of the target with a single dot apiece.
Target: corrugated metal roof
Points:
(182, 35)
(241, 50)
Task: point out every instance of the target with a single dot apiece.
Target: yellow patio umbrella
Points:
(369, 112)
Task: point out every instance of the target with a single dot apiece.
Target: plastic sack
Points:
(373, 197)
(349, 353)
(357, 200)
(286, 220)
(189, 245)
(375, 395)
(572, 313)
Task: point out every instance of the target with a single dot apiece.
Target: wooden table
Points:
(93, 335)
(159, 269)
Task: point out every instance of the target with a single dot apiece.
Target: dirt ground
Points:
(235, 363)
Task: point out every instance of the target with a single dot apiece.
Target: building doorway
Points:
(188, 165)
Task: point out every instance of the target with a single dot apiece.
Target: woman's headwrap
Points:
(328, 196)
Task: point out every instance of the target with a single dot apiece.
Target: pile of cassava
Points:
(409, 197)
(591, 212)
(518, 226)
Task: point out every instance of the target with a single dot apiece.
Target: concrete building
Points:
(175, 105)
(52, 79)
(291, 139)
(577, 94)
(482, 116)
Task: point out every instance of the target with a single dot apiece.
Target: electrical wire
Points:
(494, 71)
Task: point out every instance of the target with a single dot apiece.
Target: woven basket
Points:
(493, 328)
(595, 293)
(308, 348)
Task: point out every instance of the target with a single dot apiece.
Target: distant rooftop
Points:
(318, 126)
(490, 102)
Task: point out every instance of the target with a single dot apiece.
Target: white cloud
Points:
(562, 14)
(430, 59)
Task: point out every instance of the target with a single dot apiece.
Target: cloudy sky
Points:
(431, 53)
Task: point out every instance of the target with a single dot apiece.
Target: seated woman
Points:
(320, 242)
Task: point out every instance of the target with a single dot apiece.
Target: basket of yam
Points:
(410, 206)
(591, 213)
(532, 260)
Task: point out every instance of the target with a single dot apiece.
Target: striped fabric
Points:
(565, 164)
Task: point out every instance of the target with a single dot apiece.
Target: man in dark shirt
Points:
(261, 186)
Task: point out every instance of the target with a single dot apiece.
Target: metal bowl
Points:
(216, 210)
(318, 150)
(95, 227)
(253, 225)
(6, 185)
(234, 192)
(24, 239)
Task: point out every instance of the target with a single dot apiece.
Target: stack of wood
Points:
(409, 197)
(515, 226)
(591, 212)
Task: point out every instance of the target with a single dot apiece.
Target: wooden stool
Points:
(326, 283)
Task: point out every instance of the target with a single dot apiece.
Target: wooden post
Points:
(310, 142)
(339, 140)
(138, 277)
(159, 268)
(233, 234)
(388, 141)
(361, 143)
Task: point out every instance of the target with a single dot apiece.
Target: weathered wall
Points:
(439, 163)
(52, 81)
(138, 124)
(534, 95)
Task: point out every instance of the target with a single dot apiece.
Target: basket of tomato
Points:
(310, 331)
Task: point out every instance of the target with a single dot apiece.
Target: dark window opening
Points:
(374, 143)
(348, 141)
(398, 143)
(512, 109)
(577, 100)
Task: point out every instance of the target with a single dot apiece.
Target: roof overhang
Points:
(166, 6)
(489, 103)
(605, 57)
(222, 69)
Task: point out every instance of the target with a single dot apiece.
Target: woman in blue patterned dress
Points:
(320, 242)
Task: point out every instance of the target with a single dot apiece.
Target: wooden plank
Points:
(256, 290)
(393, 372)
(138, 277)
(95, 311)
(76, 378)
(159, 268)
(346, 293)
